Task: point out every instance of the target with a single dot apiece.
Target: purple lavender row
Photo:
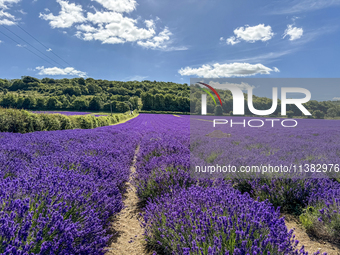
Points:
(186, 216)
(59, 189)
(64, 113)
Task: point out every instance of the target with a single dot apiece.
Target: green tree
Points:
(93, 89)
(29, 79)
(290, 114)
(41, 103)
(147, 100)
(122, 107)
(18, 84)
(52, 103)
(29, 103)
(183, 104)
(158, 102)
(333, 112)
(81, 81)
(72, 90)
(20, 102)
(218, 110)
(318, 114)
(9, 101)
(80, 104)
(96, 104)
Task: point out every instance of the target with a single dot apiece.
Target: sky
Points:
(169, 40)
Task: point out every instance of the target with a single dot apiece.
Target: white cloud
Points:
(227, 70)
(1, 41)
(336, 98)
(293, 32)
(158, 41)
(5, 4)
(59, 71)
(7, 22)
(232, 40)
(118, 5)
(5, 17)
(49, 49)
(276, 70)
(113, 28)
(110, 26)
(256, 33)
(70, 13)
(251, 34)
(149, 23)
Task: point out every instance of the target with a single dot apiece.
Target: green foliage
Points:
(96, 104)
(97, 95)
(321, 221)
(333, 112)
(218, 110)
(317, 114)
(80, 104)
(21, 121)
(290, 114)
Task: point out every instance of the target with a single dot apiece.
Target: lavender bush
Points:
(216, 221)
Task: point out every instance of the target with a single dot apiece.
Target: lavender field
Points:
(60, 190)
(68, 113)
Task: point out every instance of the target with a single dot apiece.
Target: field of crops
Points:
(68, 113)
(60, 190)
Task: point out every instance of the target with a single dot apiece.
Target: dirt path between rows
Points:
(128, 234)
(311, 245)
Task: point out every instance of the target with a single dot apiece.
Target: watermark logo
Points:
(238, 99)
(204, 97)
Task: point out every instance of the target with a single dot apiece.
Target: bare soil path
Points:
(311, 244)
(128, 234)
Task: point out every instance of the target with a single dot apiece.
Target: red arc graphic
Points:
(213, 90)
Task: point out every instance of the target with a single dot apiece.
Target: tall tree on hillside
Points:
(96, 104)
(41, 103)
(80, 104)
(147, 100)
(29, 103)
(52, 103)
(158, 102)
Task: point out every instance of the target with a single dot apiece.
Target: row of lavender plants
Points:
(185, 215)
(59, 190)
(67, 113)
(314, 197)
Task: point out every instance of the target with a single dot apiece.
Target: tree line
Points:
(102, 95)
(94, 95)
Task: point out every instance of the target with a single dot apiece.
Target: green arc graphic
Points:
(206, 91)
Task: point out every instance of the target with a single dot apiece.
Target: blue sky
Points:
(170, 40)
